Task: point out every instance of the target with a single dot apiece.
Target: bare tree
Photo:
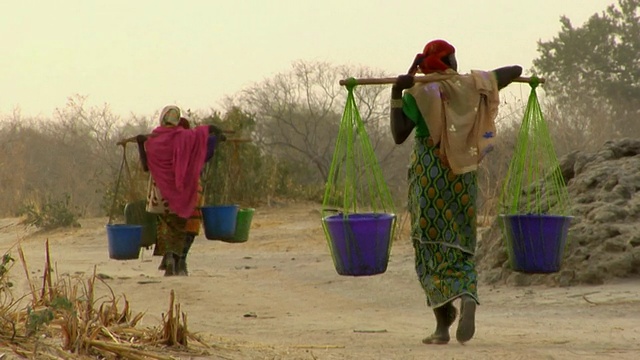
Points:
(298, 114)
(73, 155)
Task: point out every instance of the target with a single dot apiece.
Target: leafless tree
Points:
(298, 115)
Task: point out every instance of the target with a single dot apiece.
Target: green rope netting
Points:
(358, 215)
(355, 183)
(534, 183)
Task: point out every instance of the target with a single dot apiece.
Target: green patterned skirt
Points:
(171, 234)
(443, 226)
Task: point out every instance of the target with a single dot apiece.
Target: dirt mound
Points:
(604, 238)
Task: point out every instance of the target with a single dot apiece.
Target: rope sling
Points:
(125, 240)
(358, 214)
(534, 202)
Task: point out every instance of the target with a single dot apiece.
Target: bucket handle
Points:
(115, 193)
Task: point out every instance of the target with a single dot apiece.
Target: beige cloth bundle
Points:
(460, 112)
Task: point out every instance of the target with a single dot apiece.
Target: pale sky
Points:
(139, 55)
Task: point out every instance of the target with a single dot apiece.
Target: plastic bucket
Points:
(243, 225)
(124, 241)
(535, 243)
(219, 221)
(360, 243)
(135, 213)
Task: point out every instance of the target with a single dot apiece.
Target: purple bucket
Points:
(360, 243)
(535, 243)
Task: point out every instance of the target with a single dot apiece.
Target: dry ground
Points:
(278, 296)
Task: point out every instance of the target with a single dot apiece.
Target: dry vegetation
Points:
(67, 318)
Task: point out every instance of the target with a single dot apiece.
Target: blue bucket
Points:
(219, 221)
(124, 241)
(535, 243)
(360, 243)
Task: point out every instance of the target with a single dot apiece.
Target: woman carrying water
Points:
(175, 156)
(453, 117)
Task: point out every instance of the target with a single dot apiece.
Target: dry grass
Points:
(63, 319)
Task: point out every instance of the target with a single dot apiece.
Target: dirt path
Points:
(278, 297)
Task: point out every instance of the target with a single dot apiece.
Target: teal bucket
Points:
(124, 241)
(219, 221)
(243, 225)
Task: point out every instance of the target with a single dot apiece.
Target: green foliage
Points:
(239, 171)
(50, 213)
(61, 303)
(36, 319)
(5, 265)
(593, 71)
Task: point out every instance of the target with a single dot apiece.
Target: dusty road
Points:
(278, 296)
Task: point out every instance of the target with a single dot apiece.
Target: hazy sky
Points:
(139, 55)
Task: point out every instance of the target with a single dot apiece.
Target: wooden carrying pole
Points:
(133, 138)
(229, 140)
(419, 79)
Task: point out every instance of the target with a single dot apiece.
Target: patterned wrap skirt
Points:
(194, 223)
(172, 234)
(443, 225)
(173, 230)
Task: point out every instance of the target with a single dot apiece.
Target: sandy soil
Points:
(278, 296)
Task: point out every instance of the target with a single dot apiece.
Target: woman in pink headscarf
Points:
(174, 156)
(453, 118)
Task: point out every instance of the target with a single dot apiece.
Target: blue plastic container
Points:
(360, 243)
(535, 243)
(219, 221)
(124, 241)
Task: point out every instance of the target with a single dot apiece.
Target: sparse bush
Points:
(50, 213)
(6, 262)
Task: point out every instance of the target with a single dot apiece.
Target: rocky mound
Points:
(604, 238)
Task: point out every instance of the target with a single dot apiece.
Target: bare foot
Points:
(436, 339)
(181, 267)
(170, 266)
(445, 316)
(467, 324)
(162, 265)
(452, 313)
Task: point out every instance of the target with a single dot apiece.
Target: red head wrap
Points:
(431, 58)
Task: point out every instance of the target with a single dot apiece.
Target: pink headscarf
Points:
(175, 157)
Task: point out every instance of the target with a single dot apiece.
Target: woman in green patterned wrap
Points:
(453, 117)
